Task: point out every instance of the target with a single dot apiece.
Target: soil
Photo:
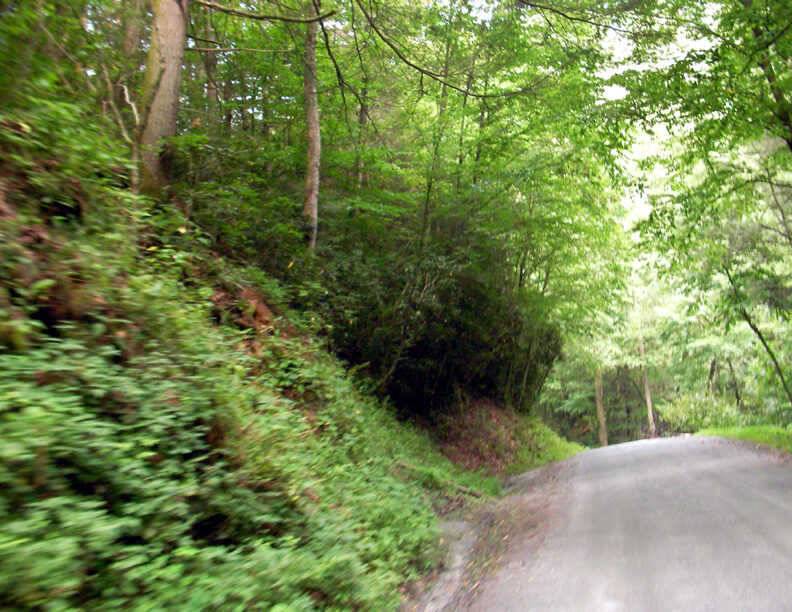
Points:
(478, 538)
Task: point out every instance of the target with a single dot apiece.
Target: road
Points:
(669, 524)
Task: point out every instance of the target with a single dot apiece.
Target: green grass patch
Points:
(770, 435)
(540, 445)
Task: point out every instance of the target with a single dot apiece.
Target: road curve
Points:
(669, 524)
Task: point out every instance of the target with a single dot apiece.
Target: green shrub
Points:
(694, 411)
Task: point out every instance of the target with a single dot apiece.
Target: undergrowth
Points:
(168, 439)
(484, 436)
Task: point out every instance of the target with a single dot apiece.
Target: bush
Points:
(693, 411)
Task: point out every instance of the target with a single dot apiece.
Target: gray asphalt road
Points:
(671, 524)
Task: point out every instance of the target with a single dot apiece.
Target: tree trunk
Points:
(133, 28)
(437, 139)
(647, 392)
(736, 384)
(779, 372)
(161, 86)
(768, 349)
(603, 431)
(714, 376)
(314, 145)
(210, 64)
(361, 135)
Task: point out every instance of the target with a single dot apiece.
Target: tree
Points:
(603, 428)
(313, 136)
(161, 87)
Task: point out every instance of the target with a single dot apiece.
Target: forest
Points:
(279, 278)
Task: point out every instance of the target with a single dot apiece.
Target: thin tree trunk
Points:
(426, 225)
(747, 318)
(736, 385)
(311, 198)
(647, 393)
(713, 376)
(210, 64)
(361, 135)
(603, 430)
(161, 86)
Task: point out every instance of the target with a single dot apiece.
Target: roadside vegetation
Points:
(169, 435)
(769, 435)
(280, 281)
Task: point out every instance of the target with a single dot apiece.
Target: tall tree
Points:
(161, 87)
(313, 135)
(603, 427)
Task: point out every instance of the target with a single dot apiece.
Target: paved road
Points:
(673, 524)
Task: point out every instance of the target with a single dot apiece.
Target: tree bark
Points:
(314, 144)
(647, 392)
(603, 430)
(161, 86)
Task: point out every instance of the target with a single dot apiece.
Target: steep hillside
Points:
(169, 436)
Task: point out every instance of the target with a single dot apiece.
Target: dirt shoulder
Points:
(477, 540)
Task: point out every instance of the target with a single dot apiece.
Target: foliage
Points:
(157, 449)
(482, 435)
(769, 435)
(692, 412)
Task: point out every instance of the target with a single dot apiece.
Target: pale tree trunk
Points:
(210, 63)
(361, 139)
(161, 86)
(311, 198)
(647, 393)
(603, 429)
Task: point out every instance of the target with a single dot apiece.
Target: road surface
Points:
(668, 524)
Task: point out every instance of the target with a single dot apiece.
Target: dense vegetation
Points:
(247, 248)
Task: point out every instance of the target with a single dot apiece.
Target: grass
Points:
(545, 446)
(769, 435)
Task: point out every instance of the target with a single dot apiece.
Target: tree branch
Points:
(262, 16)
(568, 17)
(231, 49)
(206, 40)
(436, 76)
